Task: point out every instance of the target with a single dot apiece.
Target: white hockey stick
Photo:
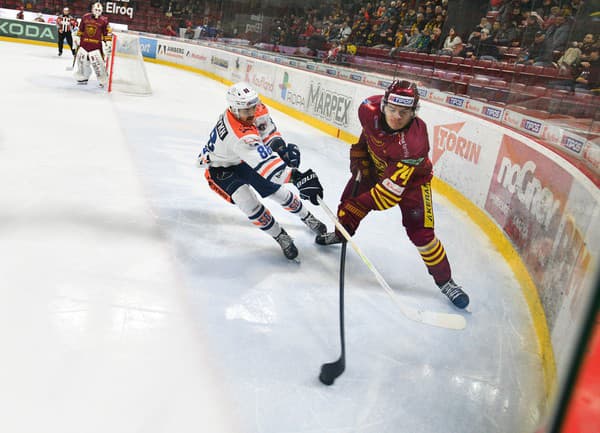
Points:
(441, 320)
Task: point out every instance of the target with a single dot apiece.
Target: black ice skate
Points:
(82, 82)
(455, 293)
(287, 245)
(328, 239)
(314, 224)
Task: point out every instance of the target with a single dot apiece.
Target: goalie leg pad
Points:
(83, 69)
(97, 62)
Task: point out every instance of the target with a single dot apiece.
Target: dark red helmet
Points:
(402, 93)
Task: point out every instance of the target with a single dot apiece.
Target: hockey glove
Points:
(359, 161)
(290, 153)
(308, 185)
(351, 213)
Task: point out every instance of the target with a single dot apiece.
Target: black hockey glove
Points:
(308, 185)
(290, 153)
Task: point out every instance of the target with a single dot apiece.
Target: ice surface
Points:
(135, 299)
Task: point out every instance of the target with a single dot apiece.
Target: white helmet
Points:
(66, 11)
(97, 9)
(241, 96)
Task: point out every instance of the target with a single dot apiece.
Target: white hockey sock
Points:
(246, 200)
(290, 202)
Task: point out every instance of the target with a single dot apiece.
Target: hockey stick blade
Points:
(440, 320)
(330, 371)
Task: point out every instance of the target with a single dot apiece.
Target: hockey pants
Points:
(233, 184)
(417, 218)
(61, 40)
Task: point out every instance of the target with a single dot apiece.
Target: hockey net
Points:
(127, 72)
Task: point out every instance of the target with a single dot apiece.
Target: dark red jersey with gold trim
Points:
(92, 31)
(385, 150)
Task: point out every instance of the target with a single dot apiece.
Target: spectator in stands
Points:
(550, 18)
(381, 9)
(420, 23)
(540, 52)
(453, 44)
(546, 8)
(360, 34)
(423, 44)
(558, 33)
(410, 18)
(436, 23)
(169, 30)
(485, 49)
(533, 25)
(373, 37)
(400, 39)
(495, 29)
(393, 10)
(507, 35)
(485, 24)
(189, 32)
(386, 38)
(517, 15)
(589, 78)
(344, 32)
(574, 55)
(411, 42)
(429, 15)
(435, 40)
(20, 13)
(474, 36)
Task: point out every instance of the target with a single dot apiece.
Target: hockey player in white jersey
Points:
(245, 153)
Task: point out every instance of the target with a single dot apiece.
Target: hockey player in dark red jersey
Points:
(95, 44)
(392, 156)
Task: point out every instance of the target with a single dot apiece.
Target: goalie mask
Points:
(241, 99)
(97, 9)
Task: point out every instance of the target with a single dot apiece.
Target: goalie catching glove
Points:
(308, 185)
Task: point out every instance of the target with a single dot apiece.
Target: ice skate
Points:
(455, 293)
(82, 82)
(287, 245)
(314, 224)
(330, 238)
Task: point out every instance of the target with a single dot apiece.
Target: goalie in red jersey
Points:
(95, 44)
(392, 156)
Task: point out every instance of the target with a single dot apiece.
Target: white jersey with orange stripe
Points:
(231, 142)
(264, 123)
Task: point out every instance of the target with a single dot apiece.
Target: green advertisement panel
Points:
(28, 30)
